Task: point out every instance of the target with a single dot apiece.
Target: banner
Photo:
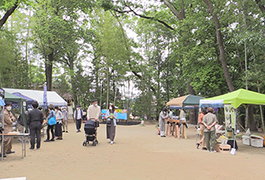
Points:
(45, 103)
(121, 113)
(230, 115)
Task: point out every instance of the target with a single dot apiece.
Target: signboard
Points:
(230, 116)
(121, 113)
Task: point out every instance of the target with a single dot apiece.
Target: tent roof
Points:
(188, 100)
(37, 95)
(236, 98)
(29, 100)
(12, 97)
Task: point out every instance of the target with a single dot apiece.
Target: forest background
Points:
(159, 48)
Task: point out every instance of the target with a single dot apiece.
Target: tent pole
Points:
(3, 122)
(247, 122)
(261, 112)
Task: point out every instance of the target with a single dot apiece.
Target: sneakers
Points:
(213, 151)
(47, 140)
(10, 152)
(163, 136)
(52, 140)
(111, 142)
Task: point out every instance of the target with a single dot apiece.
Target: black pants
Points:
(35, 128)
(58, 130)
(48, 134)
(78, 124)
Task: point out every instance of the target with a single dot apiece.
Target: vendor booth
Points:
(230, 102)
(184, 102)
(17, 102)
(37, 95)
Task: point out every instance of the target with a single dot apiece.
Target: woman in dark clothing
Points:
(50, 127)
(58, 126)
(111, 117)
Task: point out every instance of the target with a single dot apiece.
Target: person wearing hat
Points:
(78, 114)
(93, 112)
(209, 121)
(162, 116)
(8, 124)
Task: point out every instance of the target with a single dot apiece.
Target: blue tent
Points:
(29, 100)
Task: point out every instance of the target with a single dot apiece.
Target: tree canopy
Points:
(135, 54)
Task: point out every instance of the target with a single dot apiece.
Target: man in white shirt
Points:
(78, 118)
(93, 112)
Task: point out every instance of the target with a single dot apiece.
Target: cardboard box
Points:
(256, 141)
(246, 140)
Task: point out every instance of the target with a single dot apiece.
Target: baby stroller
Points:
(90, 133)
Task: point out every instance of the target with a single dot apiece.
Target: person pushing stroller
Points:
(90, 132)
(93, 113)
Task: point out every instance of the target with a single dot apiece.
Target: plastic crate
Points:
(256, 141)
(246, 140)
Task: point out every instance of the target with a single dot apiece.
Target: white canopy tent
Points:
(37, 95)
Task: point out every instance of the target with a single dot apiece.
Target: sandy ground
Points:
(136, 154)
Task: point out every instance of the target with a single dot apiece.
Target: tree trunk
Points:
(192, 112)
(74, 87)
(48, 71)
(220, 45)
(252, 123)
(107, 105)
(241, 118)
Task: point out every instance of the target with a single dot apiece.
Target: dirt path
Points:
(136, 154)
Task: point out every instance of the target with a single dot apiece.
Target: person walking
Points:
(209, 121)
(59, 122)
(162, 116)
(65, 119)
(93, 113)
(8, 127)
(35, 120)
(78, 114)
(50, 127)
(111, 116)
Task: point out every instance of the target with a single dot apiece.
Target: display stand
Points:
(173, 127)
(23, 142)
(183, 130)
